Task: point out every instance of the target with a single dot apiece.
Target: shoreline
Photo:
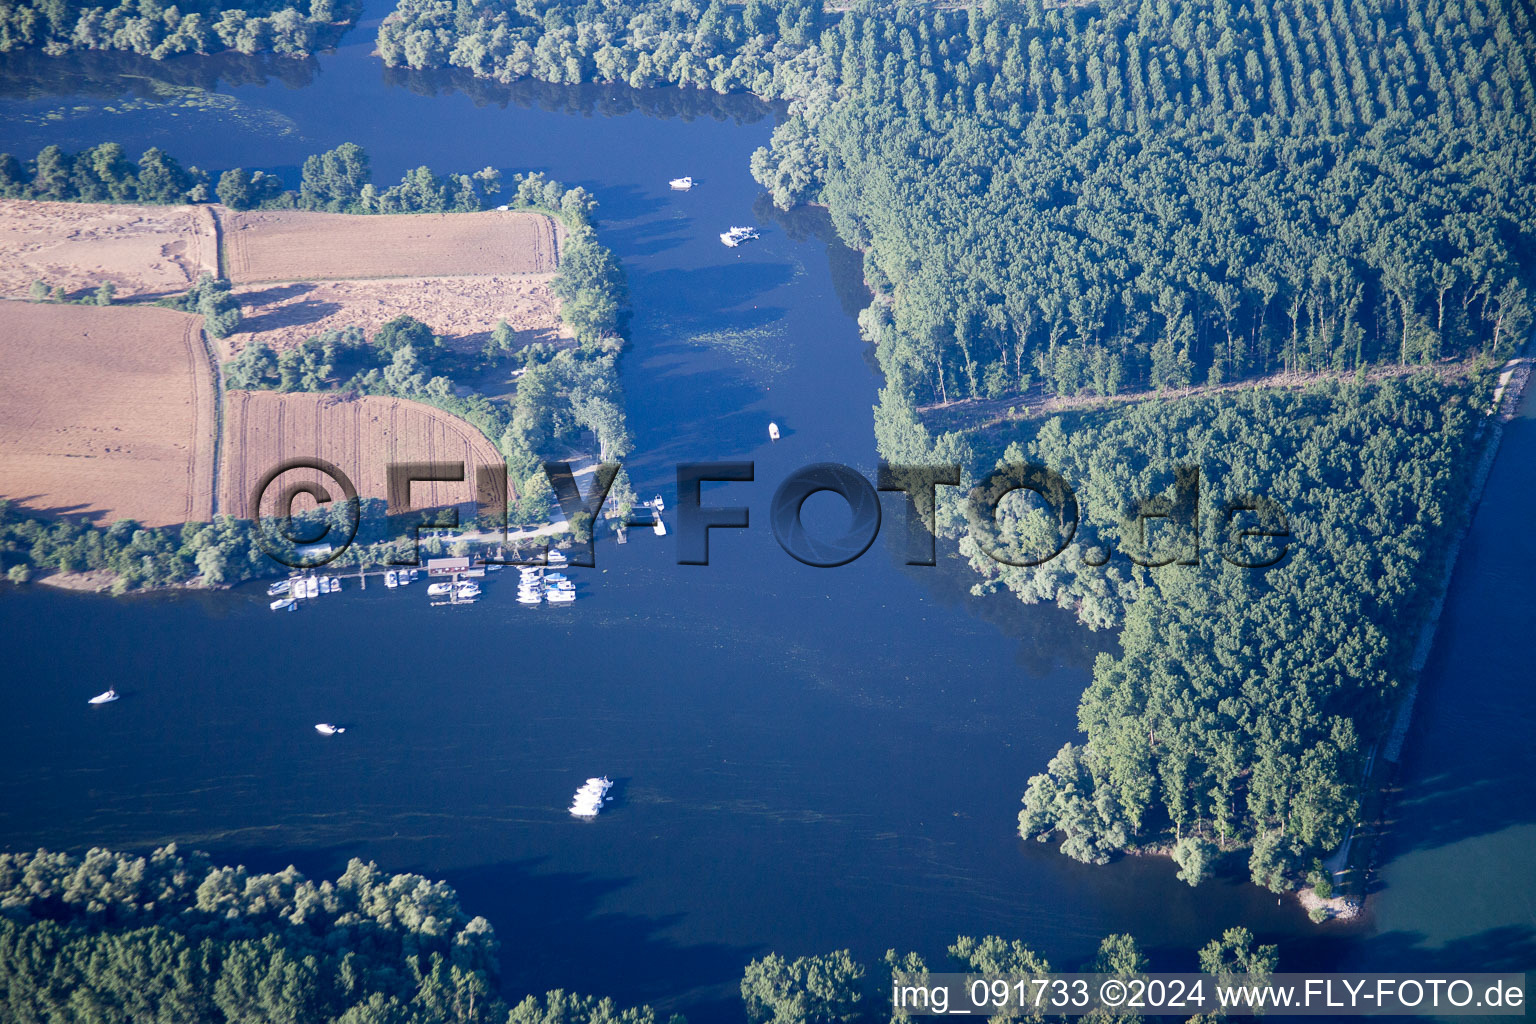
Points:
(1386, 754)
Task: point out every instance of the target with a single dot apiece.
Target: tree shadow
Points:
(553, 934)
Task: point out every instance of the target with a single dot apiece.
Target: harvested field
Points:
(360, 436)
(107, 411)
(142, 250)
(289, 245)
(462, 309)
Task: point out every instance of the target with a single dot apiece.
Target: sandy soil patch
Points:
(142, 250)
(360, 436)
(292, 245)
(107, 411)
(462, 309)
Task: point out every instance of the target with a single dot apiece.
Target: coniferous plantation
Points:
(1083, 202)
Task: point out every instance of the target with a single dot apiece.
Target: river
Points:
(806, 759)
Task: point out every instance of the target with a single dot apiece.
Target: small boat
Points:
(682, 184)
(555, 577)
(104, 698)
(773, 431)
(311, 587)
(590, 797)
(562, 585)
(409, 576)
(327, 729)
(557, 557)
(280, 587)
(466, 589)
(325, 584)
(439, 589)
(283, 602)
(559, 596)
(530, 598)
(737, 235)
(391, 579)
(335, 584)
(658, 504)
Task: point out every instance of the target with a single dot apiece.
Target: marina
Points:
(454, 580)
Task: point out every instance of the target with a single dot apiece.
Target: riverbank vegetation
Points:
(155, 30)
(114, 937)
(111, 937)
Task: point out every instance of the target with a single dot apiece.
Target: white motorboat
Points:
(682, 184)
(104, 698)
(658, 504)
(773, 431)
(391, 579)
(466, 589)
(560, 596)
(281, 603)
(562, 585)
(327, 729)
(335, 584)
(408, 577)
(590, 797)
(530, 598)
(554, 577)
(311, 587)
(280, 587)
(737, 235)
(439, 589)
(557, 557)
(325, 584)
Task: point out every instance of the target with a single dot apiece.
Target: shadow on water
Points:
(589, 100)
(100, 74)
(554, 933)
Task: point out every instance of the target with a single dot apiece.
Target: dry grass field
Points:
(262, 246)
(360, 436)
(142, 250)
(462, 309)
(107, 412)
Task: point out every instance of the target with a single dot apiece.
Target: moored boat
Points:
(280, 587)
(439, 589)
(391, 579)
(281, 603)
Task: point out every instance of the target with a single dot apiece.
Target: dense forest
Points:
(1243, 703)
(114, 938)
(159, 30)
(1159, 194)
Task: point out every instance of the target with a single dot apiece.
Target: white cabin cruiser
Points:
(682, 184)
(327, 729)
(104, 698)
(591, 797)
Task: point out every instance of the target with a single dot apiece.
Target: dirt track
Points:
(107, 412)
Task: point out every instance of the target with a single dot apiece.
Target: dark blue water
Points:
(807, 759)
